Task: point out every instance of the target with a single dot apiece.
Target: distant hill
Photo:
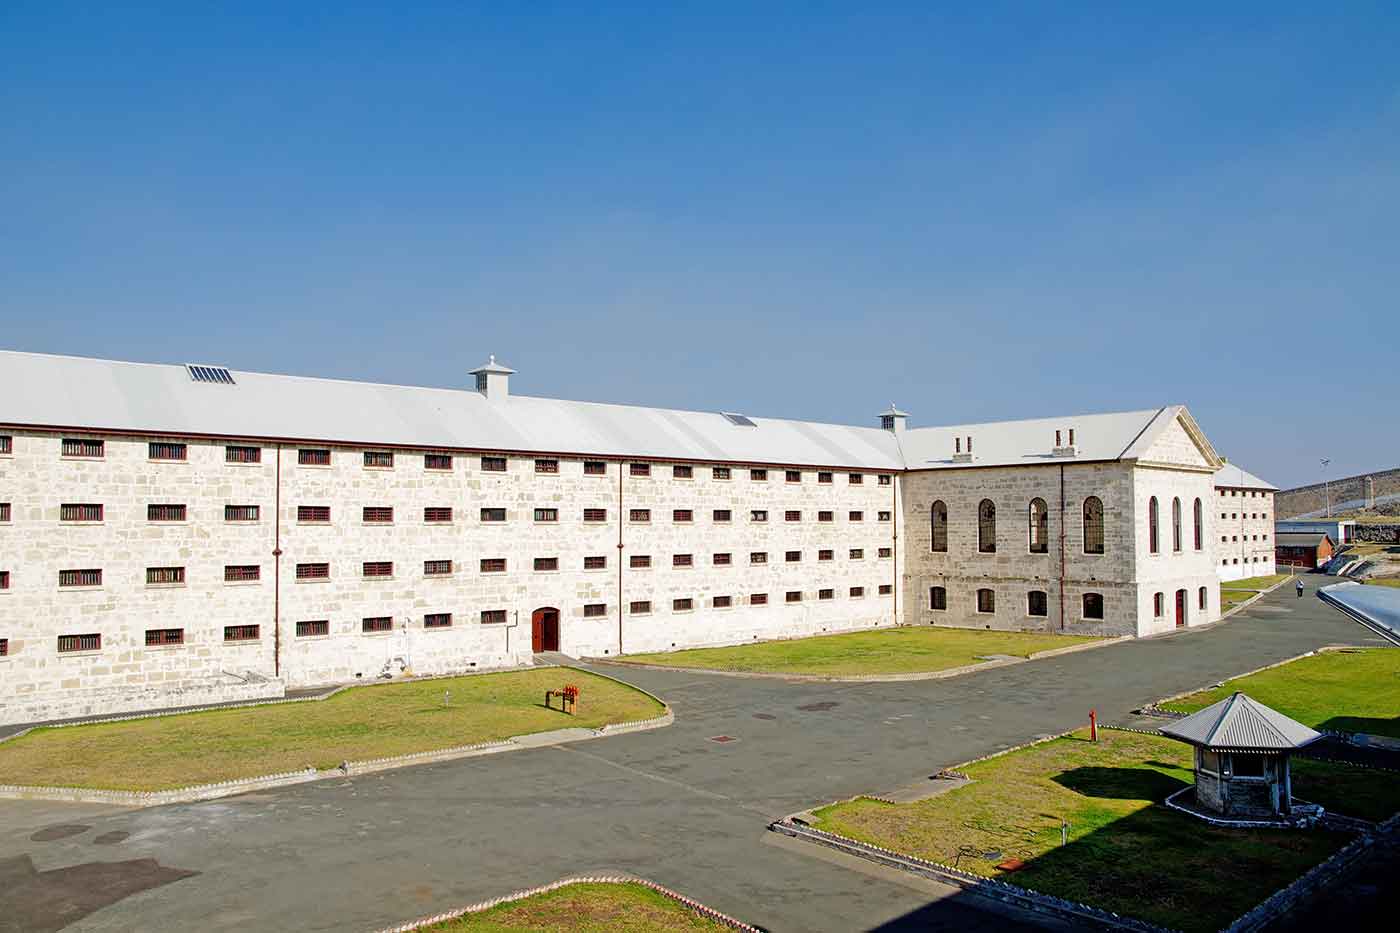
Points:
(1367, 494)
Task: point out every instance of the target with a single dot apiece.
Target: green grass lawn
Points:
(365, 722)
(1126, 852)
(1229, 599)
(584, 908)
(1350, 691)
(1256, 583)
(890, 651)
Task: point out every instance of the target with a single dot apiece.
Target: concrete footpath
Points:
(672, 805)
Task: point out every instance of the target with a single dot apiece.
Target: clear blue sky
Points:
(806, 211)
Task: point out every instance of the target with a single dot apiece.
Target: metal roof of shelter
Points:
(1238, 723)
(1301, 538)
(1237, 477)
(79, 393)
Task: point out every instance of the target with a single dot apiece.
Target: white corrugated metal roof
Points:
(43, 390)
(1238, 722)
(1237, 477)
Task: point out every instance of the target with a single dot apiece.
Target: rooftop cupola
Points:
(493, 380)
(894, 419)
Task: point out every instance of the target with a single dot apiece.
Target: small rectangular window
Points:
(758, 599)
(857, 592)
(857, 553)
(493, 617)
(596, 562)
(80, 447)
(793, 596)
(986, 601)
(546, 515)
(240, 633)
(826, 515)
(161, 450)
(493, 565)
(792, 515)
(723, 559)
(493, 464)
(823, 476)
(855, 516)
(242, 573)
(80, 577)
(723, 515)
(92, 642)
(793, 557)
(313, 457)
(165, 512)
(682, 560)
(595, 515)
(886, 589)
(310, 628)
(378, 515)
(4, 512)
(437, 568)
(595, 610)
(720, 473)
(680, 471)
(594, 468)
(937, 598)
(758, 557)
(856, 479)
(313, 571)
(437, 620)
(7, 444)
(159, 637)
(241, 513)
(758, 515)
(547, 466)
(639, 561)
(437, 461)
(313, 514)
(639, 469)
(882, 516)
(4, 579)
(639, 515)
(240, 454)
(493, 515)
(886, 552)
(885, 479)
(639, 607)
(758, 476)
(546, 563)
(80, 512)
(437, 514)
(792, 476)
(826, 594)
(826, 554)
(377, 624)
(682, 605)
(722, 602)
(378, 568)
(379, 459)
(1037, 603)
(164, 576)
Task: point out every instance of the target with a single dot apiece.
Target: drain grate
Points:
(819, 707)
(722, 739)
(764, 716)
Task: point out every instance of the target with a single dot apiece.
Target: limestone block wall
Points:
(1242, 544)
(1171, 569)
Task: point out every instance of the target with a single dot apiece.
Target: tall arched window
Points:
(1176, 523)
(1093, 525)
(938, 527)
(1039, 527)
(987, 527)
(1152, 545)
(1200, 524)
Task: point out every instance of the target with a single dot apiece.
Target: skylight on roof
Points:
(217, 375)
(737, 419)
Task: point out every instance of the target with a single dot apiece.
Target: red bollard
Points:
(1093, 726)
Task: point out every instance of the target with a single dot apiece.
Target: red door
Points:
(544, 630)
(1180, 608)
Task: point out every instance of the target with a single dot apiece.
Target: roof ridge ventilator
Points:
(735, 418)
(215, 375)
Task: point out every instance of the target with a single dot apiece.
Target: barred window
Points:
(313, 513)
(639, 515)
(546, 563)
(242, 573)
(886, 479)
(378, 514)
(437, 620)
(239, 454)
(723, 515)
(82, 447)
(639, 469)
(161, 450)
(639, 607)
(758, 476)
(547, 466)
(826, 554)
(241, 513)
(313, 571)
(434, 514)
(824, 476)
(758, 557)
(1093, 525)
(493, 617)
(4, 579)
(493, 515)
(377, 624)
(793, 476)
(4, 512)
(792, 557)
(157, 637)
(857, 553)
(493, 464)
(723, 559)
(682, 560)
(886, 552)
(792, 515)
(313, 457)
(721, 473)
(722, 602)
(594, 468)
(857, 479)
(681, 471)
(92, 642)
(882, 516)
(937, 598)
(597, 562)
(437, 461)
(986, 527)
(682, 605)
(595, 610)
(493, 565)
(758, 599)
(1093, 605)
(165, 512)
(312, 627)
(7, 444)
(595, 515)
(159, 576)
(378, 568)
(639, 561)
(683, 515)
(857, 592)
(826, 594)
(856, 517)
(80, 577)
(758, 515)
(986, 600)
(938, 527)
(1038, 530)
(793, 596)
(826, 515)
(1037, 603)
(240, 633)
(437, 568)
(886, 589)
(546, 515)
(80, 512)
(379, 459)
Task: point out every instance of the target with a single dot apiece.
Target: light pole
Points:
(1326, 485)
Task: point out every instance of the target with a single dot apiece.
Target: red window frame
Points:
(314, 571)
(493, 565)
(493, 617)
(437, 620)
(437, 514)
(242, 573)
(84, 447)
(314, 514)
(377, 515)
(377, 568)
(80, 578)
(313, 456)
(241, 633)
(160, 637)
(164, 576)
(167, 512)
(372, 624)
(437, 568)
(167, 450)
(437, 462)
(311, 628)
(87, 642)
(241, 513)
(80, 512)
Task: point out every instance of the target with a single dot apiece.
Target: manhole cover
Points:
(764, 716)
(820, 707)
(722, 738)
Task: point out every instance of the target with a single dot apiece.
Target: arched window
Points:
(1201, 598)
(1093, 525)
(1152, 545)
(937, 598)
(938, 527)
(986, 601)
(1176, 523)
(1158, 602)
(1037, 603)
(1039, 527)
(1093, 605)
(1200, 517)
(987, 527)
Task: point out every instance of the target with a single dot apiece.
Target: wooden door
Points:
(544, 630)
(1180, 608)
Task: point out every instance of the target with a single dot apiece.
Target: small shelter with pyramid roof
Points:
(1242, 756)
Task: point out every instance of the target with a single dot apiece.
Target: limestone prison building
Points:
(172, 535)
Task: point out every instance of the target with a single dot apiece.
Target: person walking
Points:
(1300, 587)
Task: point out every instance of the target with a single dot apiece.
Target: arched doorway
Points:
(544, 629)
(1180, 608)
